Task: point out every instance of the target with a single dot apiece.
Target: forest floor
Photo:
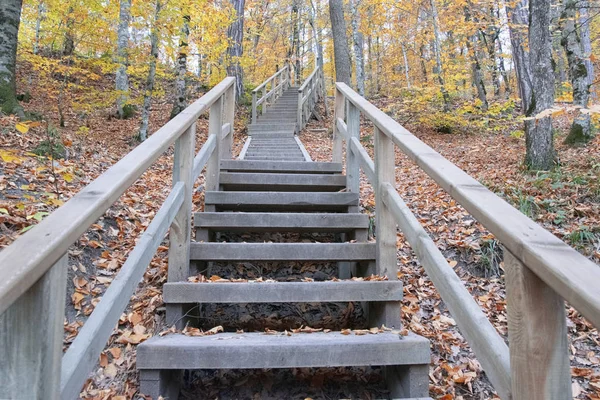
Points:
(565, 201)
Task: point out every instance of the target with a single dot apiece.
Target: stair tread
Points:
(282, 251)
(259, 350)
(264, 181)
(270, 166)
(282, 292)
(284, 201)
(280, 221)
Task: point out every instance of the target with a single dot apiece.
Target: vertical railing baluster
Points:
(263, 109)
(181, 227)
(385, 172)
(254, 107)
(229, 118)
(31, 338)
(352, 165)
(215, 123)
(338, 113)
(537, 333)
(299, 115)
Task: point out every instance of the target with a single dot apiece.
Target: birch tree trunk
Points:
(10, 17)
(296, 39)
(340, 42)
(406, 67)
(519, 17)
(38, 26)
(143, 134)
(571, 41)
(438, 55)
(584, 27)
(122, 81)
(180, 86)
(319, 47)
(235, 33)
(359, 58)
(538, 132)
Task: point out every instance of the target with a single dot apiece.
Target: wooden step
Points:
(282, 167)
(285, 222)
(273, 158)
(278, 182)
(282, 292)
(259, 350)
(281, 201)
(282, 251)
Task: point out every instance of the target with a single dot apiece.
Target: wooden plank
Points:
(338, 113)
(264, 181)
(282, 292)
(364, 160)
(292, 201)
(228, 119)
(257, 350)
(25, 261)
(565, 270)
(204, 155)
(537, 332)
(31, 338)
(342, 128)
(319, 222)
(214, 129)
(180, 230)
(83, 354)
(289, 167)
(352, 167)
(245, 148)
(387, 257)
(282, 252)
(303, 149)
(488, 345)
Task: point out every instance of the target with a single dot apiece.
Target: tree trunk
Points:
(180, 86)
(235, 34)
(477, 75)
(296, 40)
(10, 17)
(359, 58)
(519, 16)
(38, 26)
(438, 55)
(122, 81)
(584, 24)
(570, 39)
(143, 134)
(69, 40)
(538, 132)
(406, 67)
(340, 42)
(319, 47)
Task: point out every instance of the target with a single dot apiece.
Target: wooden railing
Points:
(541, 271)
(34, 267)
(308, 96)
(270, 90)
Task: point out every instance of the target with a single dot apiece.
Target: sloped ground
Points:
(565, 201)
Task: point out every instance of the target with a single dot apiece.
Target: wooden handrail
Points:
(308, 96)
(34, 266)
(541, 270)
(277, 90)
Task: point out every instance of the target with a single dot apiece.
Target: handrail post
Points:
(253, 107)
(181, 227)
(537, 333)
(385, 172)
(352, 165)
(299, 115)
(214, 128)
(229, 118)
(263, 109)
(337, 136)
(31, 338)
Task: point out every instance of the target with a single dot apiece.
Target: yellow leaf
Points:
(67, 177)
(10, 157)
(21, 127)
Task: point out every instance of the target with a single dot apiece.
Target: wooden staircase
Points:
(274, 187)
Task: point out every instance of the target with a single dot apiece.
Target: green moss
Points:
(8, 100)
(576, 135)
(129, 111)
